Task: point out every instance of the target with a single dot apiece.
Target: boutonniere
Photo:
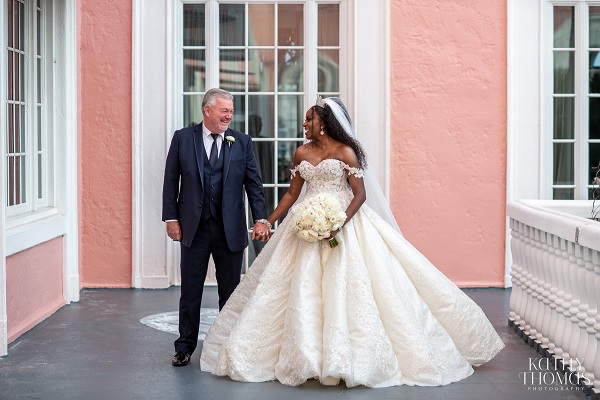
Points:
(230, 139)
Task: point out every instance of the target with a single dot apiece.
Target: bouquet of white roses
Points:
(315, 217)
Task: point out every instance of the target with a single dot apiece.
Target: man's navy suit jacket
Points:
(183, 189)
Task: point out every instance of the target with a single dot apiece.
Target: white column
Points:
(151, 129)
(65, 27)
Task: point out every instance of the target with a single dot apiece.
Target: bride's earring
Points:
(322, 132)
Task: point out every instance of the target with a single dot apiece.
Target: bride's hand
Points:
(333, 233)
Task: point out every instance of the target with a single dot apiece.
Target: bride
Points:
(370, 310)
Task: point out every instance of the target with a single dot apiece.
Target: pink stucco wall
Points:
(448, 93)
(34, 289)
(105, 43)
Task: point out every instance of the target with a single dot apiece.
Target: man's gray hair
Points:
(210, 97)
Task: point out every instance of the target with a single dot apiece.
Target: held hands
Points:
(261, 232)
(174, 230)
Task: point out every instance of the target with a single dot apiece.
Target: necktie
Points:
(214, 152)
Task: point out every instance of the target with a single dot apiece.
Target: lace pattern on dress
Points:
(357, 172)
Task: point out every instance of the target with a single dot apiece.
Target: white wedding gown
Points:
(372, 311)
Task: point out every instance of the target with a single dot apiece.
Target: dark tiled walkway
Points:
(98, 349)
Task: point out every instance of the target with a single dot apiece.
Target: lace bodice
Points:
(330, 176)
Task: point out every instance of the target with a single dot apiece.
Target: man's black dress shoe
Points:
(180, 359)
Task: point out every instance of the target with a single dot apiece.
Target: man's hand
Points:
(261, 232)
(174, 230)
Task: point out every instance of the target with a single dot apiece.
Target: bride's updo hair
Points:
(335, 130)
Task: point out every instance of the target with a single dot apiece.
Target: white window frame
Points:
(33, 203)
(22, 232)
(581, 184)
(310, 68)
(155, 259)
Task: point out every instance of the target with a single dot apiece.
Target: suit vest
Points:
(213, 188)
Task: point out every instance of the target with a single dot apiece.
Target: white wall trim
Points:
(372, 80)
(3, 82)
(524, 108)
(137, 149)
(150, 121)
(68, 123)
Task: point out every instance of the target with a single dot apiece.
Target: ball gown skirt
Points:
(372, 311)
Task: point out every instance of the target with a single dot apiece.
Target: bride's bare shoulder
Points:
(347, 155)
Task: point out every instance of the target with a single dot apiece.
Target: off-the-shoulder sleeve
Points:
(294, 170)
(357, 172)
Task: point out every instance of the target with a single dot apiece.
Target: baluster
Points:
(559, 327)
(592, 314)
(575, 301)
(523, 281)
(568, 327)
(596, 369)
(515, 273)
(581, 315)
(538, 288)
(553, 297)
(530, 265)
(545, 294)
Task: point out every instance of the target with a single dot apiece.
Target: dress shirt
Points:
(208, 140)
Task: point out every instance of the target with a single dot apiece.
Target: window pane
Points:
(290, 25)
(564, 117)
(11, 23)
(21, 38)
(329, 76)
(563, 164)
(22, 126)
(564, 72)
(291, 70)
(10, 195)
(39, 128)
(563, 194)
(261, 20)
(194, 76)
(11, 75)
(21, 78)
(232, 75)
(261, 70)
(39, 33)
(231, 25)
(594, 162)
(193, 25)
(192, 109)
(329, 25)
(285, 160)
(594, 130)
(594, 27)
(564, 27)
(594, 72)
(264, 153)
(239, 107)
(21, 179)
(10, 122)
(261, 127)
(291, 116)
(261, 118)
(39, 80)
(39, 178)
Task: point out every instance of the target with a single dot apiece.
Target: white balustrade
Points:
(555, 275)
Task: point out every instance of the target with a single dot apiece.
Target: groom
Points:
(207, 169)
